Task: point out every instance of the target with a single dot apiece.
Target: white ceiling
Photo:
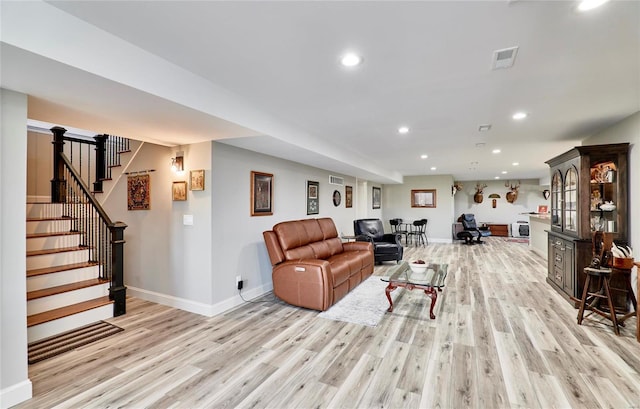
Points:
(266, 76)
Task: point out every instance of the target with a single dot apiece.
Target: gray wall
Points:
(627, 130)
(529, 198)
(237, 244)
(396, 203)
(15, 385)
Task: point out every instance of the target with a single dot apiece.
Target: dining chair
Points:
(418, 232)
(398, 227)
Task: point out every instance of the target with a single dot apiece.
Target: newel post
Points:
(58, 183)
(118, 292)
(101, 163)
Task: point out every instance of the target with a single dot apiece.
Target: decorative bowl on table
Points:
(418, 267)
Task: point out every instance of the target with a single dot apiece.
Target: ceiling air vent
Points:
(504, 58)
(336, 180)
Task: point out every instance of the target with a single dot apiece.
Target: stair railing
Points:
(93, 158)
(103, 238)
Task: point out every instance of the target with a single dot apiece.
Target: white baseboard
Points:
(208, 310)
(15, 394)
(435, 240)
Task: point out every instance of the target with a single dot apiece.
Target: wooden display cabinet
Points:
(588, 193)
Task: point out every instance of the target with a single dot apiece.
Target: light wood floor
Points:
(501, 339)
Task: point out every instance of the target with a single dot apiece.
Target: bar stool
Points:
(591, 300)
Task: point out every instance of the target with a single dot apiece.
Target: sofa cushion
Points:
(335, 245)
(303, 252)
(340, 269)
(386, 248)
(328, 228)
(321, 249)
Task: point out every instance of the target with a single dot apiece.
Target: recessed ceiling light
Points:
(515, 163)
(484, 128)
(586, 5)
(504, 172)
(496, 151)
(433, 168)
(519, 115)
(403, 130)
(351, 60)
(423, 156)
(496, 177)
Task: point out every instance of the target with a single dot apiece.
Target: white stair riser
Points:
(51, 328)
(70, 297)
(57, 259)
(36, 210)
(61, 277)
(43, 243)
(48, 226)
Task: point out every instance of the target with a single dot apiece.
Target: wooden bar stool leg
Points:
(583, 300)
(612, 311)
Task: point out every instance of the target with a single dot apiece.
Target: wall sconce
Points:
(493, 197)
(546, 194)
(177, 163)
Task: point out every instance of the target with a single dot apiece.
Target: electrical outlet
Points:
(239, 282)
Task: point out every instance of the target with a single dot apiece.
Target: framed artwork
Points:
(179, 190)
(348, 196)
(543, 209)
(337, 198)
(261, 194)
(376, 197)
(313, 192)
(423, 198)
(197, 179)
(139, 192)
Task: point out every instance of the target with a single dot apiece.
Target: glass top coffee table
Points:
(431, 281)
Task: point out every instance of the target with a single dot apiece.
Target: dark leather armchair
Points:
(471, 229)
(386, 247)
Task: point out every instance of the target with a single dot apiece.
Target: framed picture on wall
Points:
(261, 194)
(313, 193)
(376, 197)
(179, 191)
(138, 192)
(423, 198)
(348, 196)
(197, 179)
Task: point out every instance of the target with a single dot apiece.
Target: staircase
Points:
(75, 252)
(64, 290)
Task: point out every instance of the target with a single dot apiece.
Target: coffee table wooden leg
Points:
(434, 297)
(387, 291)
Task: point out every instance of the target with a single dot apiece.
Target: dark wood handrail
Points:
(85, 189)
(105, 244)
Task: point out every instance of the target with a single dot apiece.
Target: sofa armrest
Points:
(307, 283)
(358, 246)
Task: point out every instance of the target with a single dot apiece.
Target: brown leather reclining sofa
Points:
(312, 267)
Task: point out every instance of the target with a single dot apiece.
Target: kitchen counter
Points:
(538, 241)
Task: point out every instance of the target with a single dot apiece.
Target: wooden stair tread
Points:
(51, 315)
(55, 269)
(55, 251)
(45, 292)
(46, 219)
(54, 234)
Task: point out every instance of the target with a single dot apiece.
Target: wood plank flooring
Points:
(502, 339)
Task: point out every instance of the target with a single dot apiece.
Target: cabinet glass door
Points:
(571, 199)
(556, 200)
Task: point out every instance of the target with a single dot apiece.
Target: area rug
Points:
(517, 240)
(67, 341)
(365, 305)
